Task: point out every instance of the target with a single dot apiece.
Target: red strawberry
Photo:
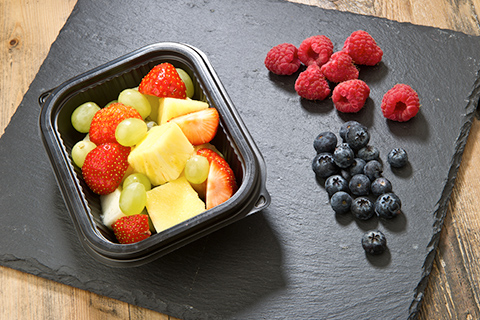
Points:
(363, 49)
(131, 229)
(163, 81)
(340, 68)
(221, 184)
(105, 166)
(200, 126)
(106, 120)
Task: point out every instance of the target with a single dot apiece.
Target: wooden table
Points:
(29, 27)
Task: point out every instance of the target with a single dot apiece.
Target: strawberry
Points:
(200, 126)
(221, 184)
(131, 229)
(105, 166)
(106, 120)
(163, 81)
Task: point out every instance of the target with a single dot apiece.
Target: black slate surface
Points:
(296, 259)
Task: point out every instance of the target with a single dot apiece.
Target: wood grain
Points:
(454, 15)
(27, 30)
(29, 27)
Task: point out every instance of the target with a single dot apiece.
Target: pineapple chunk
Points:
(162, 154)
(110, 209)
(169, 108)
(172, 203)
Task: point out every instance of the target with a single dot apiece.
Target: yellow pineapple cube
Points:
(169, 108)
(162, 154)
(111, 211)
(173, 203)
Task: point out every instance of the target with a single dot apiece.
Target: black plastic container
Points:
(102, 85)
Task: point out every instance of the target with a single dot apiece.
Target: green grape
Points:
(133, 199)
(188, 82)
(138, 177)
(133, 98)
(154, 104)
(130, 131)
(82, 116)
(111, 102)
(196, 169)
(80, 151)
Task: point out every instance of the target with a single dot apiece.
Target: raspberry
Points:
(282, 59)
(311, 84)
(340, 68)
(316, 49)
(400, 103)
(363, 49)
(350, 96)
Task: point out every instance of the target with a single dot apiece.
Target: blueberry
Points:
(347, 125)
(388, 205)
(335, 183)
(345, 173)
(362, 208)
(357, 137)
(325, 142)
(357, 166)
(368, 153)
(359, 185)
(341, 202)
(323, 165)
(374, 242)
(397, 158)
(343, 155)
(380, 186)
(373, 169)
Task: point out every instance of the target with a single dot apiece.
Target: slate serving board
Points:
(295, 259)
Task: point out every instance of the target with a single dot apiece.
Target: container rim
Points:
(251, 196)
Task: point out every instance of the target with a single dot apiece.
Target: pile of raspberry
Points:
(326, 69)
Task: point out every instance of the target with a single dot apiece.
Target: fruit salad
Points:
(148, 155)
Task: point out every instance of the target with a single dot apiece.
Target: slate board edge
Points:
(442, 207)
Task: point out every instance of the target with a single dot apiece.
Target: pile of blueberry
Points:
(353, 178)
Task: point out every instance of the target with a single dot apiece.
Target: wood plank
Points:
(453, 285)
(446, 14)
(25, 296)
(26, 32)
